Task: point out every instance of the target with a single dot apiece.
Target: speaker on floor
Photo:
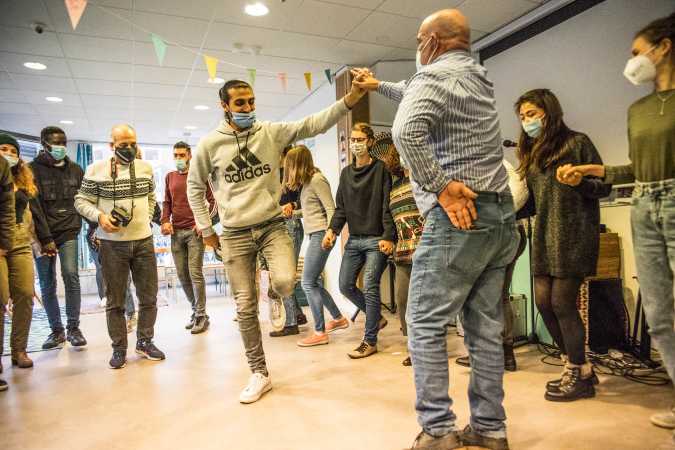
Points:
(608, 325)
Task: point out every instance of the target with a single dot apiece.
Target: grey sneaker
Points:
(450, 441)
(191, 323)
(201, 325)
(277, 314)
(471, 439)
(362, 351)
(664, 419)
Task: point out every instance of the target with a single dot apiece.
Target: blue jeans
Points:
(461, 271)
(100, 284)
(317, 295)
(291, 304)
(46, 268)
(364, 252)
(653, 225)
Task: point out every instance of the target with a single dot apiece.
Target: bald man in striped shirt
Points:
(447, 131)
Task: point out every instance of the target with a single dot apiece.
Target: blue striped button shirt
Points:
(447, 128)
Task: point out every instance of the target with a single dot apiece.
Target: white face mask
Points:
(358, 149)
(640, 69)
(418, 57)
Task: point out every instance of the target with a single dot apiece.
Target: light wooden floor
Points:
(321, 399)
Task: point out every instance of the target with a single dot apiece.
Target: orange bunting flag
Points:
(283, 77)
(308, 80)
(75, 10)
(211, 66)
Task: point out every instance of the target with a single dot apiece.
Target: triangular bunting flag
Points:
(160, 48)
(251, 76)
(308, 80)
(75, 10)
(328, 75)
(283, 77)
(211, 65)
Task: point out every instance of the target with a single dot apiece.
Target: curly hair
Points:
(24, 179)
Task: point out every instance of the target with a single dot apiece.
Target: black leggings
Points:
(556, 300)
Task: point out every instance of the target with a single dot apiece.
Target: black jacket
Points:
(57, 187)
(362, 201)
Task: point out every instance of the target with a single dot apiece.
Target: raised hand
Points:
(457, 201)
(364, 79)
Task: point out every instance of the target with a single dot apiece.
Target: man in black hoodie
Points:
(58, 180)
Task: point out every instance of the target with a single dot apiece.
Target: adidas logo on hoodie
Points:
(245, 166)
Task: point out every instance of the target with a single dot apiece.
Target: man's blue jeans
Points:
(317, 295)
(46, 268)
(364, 252)
(653, 225)
(461, 271)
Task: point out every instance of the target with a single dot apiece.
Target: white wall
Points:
(581, 60)
(383, 110)
(325, 155)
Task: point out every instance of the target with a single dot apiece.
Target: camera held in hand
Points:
(120, 216)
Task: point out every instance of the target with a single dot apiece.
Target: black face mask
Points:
(126, 154)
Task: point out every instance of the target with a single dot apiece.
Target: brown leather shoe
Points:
(450, 441)
(22, 360)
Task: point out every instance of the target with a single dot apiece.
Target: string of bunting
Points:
(76, 9)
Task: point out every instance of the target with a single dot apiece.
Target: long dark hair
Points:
(658, 30)
(542, 152)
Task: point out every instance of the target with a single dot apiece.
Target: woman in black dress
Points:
(566, 233)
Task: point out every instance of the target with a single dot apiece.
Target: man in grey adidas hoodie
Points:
(241, 158)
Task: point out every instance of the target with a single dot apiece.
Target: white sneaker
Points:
(258, 385)
(104, 302)
(664, 419)
(277, 314)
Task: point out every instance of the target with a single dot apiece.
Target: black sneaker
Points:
(201, 325)
(191, 323)
(55, 339)
(572, 387)
(471, 439)
(118, 360)
(554, 385)
(302, 319)
(76, 338)
(509, 359)
(3, 385)
(147, 349)
(287, 331)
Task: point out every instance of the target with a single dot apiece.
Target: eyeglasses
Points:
(355, 139)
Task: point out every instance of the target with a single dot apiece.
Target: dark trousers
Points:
(117, 260)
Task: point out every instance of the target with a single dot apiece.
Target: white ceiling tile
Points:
(202, 9)
(12, 96)
(95, 22)
(103, 87)
(418, 8)
(326, 19)
(156, 74)
(488, 15)
(97, 49)
(101, 70)
(180, 30)
(25, 40)
(367, 4)
(17, 108)
(45, 85)
(22, 13)
(359, 53)
(279, 17)
(387, 29)
(13, 62)
(144, 53)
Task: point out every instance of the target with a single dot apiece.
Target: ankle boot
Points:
(572, 387)
(509, 359)
(554, 385)
(22, 360)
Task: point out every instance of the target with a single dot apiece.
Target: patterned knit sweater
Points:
(407, 218)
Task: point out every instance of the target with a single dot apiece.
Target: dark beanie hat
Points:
(7, 139)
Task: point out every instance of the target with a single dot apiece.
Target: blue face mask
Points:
(181, 164)
(58, 152)
(533, 128)
(11, 160)
(243, 120)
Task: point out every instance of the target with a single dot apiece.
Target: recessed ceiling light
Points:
(34, 65)
(190, 127)
(256, 9)
(201, 107)
(54, 99)
(66, 122)
(216, 80)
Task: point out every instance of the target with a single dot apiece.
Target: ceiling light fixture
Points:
(190, 127)
(256, 9)
(201, 107)
(34, 65)
(54, 99)
(216, 80)
(66, 122)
